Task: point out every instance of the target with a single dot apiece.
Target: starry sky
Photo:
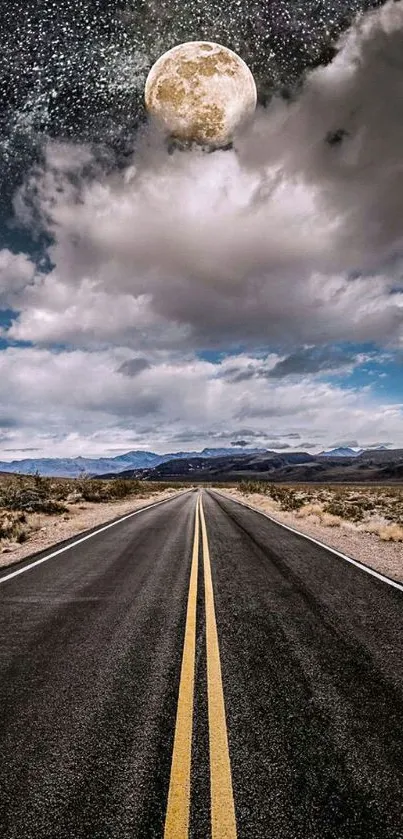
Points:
(72, 125)
(76, 69)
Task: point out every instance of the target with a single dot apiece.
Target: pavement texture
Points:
(90, 666)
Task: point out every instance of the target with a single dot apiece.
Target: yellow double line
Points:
(223, 824)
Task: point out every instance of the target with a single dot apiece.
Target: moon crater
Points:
(200, 97)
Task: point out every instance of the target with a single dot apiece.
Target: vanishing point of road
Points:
(197, 670)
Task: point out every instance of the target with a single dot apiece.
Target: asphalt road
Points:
(138, 700)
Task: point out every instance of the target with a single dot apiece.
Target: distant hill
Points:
(381, 455)
(341, 452)
(77, 466)
(74, 467)
(371, 466)
(226, 464)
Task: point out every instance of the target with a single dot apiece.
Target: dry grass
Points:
(310, 509)
(28, 502)
(368, 526)
(375, 510)
(390, 533)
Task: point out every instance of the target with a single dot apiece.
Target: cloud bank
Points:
(79, 402)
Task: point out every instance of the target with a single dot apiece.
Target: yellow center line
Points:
(177, 815)
(223, 822)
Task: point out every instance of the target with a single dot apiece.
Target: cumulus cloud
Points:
(302, 362)
(16, 272)
(293, 236)
(312, 360)
(82, 402)
(51, 311)
(344, 133)
(134, 366)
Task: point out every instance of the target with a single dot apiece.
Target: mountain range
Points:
(375, 466)
(344, 451)
(78, 466)
(223, 464)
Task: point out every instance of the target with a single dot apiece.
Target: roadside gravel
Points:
(368, 548)
(80, 517)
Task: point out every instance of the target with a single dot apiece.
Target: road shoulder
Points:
(55, 531)
(384, 557)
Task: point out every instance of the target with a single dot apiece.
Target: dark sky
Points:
(76, 68)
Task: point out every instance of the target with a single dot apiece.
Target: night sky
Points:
(76, 69)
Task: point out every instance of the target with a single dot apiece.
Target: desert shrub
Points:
(277, 493)
(366, 504)
(291, 502)
(94, 490)
(7, 525)
(371, 509)
(289, 499)
(40, 482)
(24, 498)
(252, 487)
(29, 493)
(11, 528)
(60, 490)
(345, 510)
(100, 490)
(119, 488)
(31, 501)
(391, 533)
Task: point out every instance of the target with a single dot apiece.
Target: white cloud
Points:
(52, 311)
(99, 406)
(357, 177)
(255, 245)
(16, 271)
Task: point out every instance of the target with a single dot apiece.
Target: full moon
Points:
(201, 92)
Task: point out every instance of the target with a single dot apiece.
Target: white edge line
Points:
(84, 538)
(363, 567)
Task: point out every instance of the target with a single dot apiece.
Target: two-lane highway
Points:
(196, 670)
